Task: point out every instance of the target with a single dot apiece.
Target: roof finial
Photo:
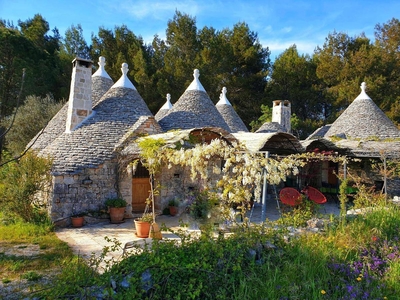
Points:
(196, 74)
(125, 69)
(102, 62)
(363, 86)
(224, 90)
(363, 94)
(124, 81)
(196, 85)
(222, 98)
(168, 104)
(101, 71)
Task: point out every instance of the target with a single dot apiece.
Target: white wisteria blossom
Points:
(240, 176)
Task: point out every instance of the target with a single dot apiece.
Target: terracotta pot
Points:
(142, 229)
(173, 210)
(117, 214)
(77, 221)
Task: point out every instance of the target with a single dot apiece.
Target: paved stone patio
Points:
(90, 239)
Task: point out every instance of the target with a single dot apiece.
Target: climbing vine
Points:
(240, 174)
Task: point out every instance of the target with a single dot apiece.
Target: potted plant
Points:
(142, 225)
(78, 220)
(116, 209)
(173, 205)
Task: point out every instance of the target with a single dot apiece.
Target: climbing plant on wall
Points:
(239, 179)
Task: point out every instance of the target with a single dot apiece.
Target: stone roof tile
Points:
(268, 127)
(363, 119)
(164, 109)
(194, 109)
(229, 114)
(93, 141)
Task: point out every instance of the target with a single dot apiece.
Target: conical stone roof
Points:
(101, 81)
(194, 109)
(363, 119)
(164, 109)
(94, 140)
(229, 115)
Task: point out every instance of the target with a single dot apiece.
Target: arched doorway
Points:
(140, 188)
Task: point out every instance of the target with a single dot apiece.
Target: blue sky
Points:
(278, 23)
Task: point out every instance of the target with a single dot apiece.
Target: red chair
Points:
(314, 195)
(290, 196)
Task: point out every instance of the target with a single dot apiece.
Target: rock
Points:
(147, 281)
(316, 223)
(251, 254)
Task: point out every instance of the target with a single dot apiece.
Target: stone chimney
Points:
(80, 95)
(281, 112)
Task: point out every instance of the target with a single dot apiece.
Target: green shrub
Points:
(115, 202)
(29, 120)
(299, 215)
(365, 198)
(20, 182)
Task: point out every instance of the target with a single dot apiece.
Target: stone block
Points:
(60, 188)
(68, 180)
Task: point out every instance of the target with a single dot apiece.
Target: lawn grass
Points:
(29, 253)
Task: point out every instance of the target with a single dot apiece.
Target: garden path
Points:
(90, 238)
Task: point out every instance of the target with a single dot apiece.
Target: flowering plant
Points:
(199, 204)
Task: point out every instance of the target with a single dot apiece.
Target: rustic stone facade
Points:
(85, 192)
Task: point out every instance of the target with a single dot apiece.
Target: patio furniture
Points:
(290, 196)
(314, 195)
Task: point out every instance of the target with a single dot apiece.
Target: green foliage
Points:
(173, 202)
(319, 87)
(264, 258)
(74, 43)
(365, 198)
(294, 78)
(115, 202)
(31, 276)
(201, 204)
(146, 217)
(266, 111)
(343, 199)
(299, 215)
(29, 120)
(19, 231)
(48, 254)
(257, 262)
(149, 149)
(19, 183)
(76, 278)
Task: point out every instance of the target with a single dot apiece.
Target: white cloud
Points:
(278, 46)
(158, 10)
(286, 29)
(268, 29)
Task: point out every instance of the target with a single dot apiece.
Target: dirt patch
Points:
(16, 287)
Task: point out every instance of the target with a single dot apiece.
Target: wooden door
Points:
(140, 192)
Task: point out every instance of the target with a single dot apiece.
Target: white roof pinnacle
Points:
(196, 84)
(222, 98)
(363, 94)
(101, 72)
(124, 81)
(167, 104)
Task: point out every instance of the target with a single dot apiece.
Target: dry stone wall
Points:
(85, 192)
